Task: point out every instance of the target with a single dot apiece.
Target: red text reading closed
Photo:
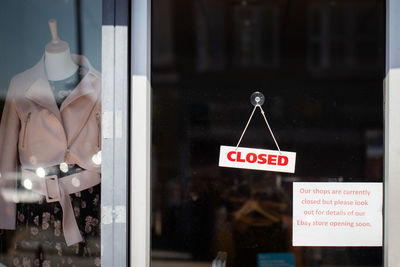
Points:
(257, 159)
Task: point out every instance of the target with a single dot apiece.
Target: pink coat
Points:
(35, 133)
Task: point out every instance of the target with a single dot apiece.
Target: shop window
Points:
(50, 133)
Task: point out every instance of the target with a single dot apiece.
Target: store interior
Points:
(320, 65)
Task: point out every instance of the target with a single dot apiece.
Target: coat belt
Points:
(59, 189)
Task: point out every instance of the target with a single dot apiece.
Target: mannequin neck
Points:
(59, 66)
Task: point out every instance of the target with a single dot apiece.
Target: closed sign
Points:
(257, 159)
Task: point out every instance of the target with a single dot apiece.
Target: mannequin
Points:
(49, 131)
(57, 59)
(62, 72)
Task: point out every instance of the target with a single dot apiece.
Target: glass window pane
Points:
(50, 133)
(323, 94)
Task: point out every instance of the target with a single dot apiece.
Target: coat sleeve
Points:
(9, 133)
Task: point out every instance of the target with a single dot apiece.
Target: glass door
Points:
(320, 66)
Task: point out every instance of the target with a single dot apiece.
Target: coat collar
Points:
(40, 91)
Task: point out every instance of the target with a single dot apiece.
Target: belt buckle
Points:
(53, 179)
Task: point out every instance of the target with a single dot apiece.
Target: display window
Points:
(50, 133)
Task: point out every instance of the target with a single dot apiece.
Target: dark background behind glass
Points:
(320, 65)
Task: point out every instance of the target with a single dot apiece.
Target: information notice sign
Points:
(337, 214)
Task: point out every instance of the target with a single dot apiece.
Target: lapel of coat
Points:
(40, 92)
(77, 107)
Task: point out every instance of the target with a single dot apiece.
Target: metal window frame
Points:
(392, 134)
(115, 133)
(140, 133)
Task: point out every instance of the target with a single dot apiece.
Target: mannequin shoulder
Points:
(21, 81)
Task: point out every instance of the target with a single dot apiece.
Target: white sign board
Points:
(257, 159)
(337, 214)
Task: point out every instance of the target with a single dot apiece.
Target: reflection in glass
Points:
(40, 172)
(28, 184)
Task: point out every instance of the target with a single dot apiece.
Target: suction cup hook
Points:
(257, 99)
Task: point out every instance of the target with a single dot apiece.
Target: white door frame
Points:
(392, 136)
(140, 133)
